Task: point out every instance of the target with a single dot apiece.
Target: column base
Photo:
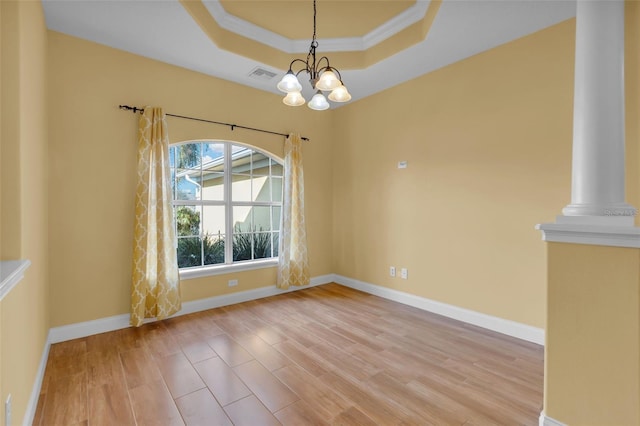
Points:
(606, 210)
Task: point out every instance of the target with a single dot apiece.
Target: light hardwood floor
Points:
(326, 355)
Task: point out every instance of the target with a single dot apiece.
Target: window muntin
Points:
(227, 203)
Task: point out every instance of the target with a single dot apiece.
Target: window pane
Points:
(260, 164)
(261, 245)
(188, 185)
(189, 252)
(188, 156)
(213, 247)
(173, 183)
(241, 161)
(213, 220)
(276, 188)
(261, 190)
(173, 151)
(275, 218)
(242, 220)
(276, 169)
(242, 246)
(188, 220)
(240, 188)
(213, 156)
(261, 218)
(212, 186)
(276, 244)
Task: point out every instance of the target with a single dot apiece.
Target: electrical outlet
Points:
(392, 271)
(404, 274)
(233, 283)
(7, 411)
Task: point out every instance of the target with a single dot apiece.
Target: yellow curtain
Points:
(155, 286)
(293, 263)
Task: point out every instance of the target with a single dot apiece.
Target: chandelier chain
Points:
(313, 41)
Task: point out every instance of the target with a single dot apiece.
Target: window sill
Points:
(190, 273)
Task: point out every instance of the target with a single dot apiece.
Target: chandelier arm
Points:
(305, 66)
(327, 67)
(339, 75)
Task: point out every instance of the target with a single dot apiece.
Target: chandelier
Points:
(322, 77)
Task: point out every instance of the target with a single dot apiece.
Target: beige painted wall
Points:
(10, 131)
(592, 351)
(25, 311)
(488, 145)
(93, 159)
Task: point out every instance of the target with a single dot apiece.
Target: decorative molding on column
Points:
(587, 230)
(604, 210)
(543, 420)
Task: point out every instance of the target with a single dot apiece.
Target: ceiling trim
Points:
(277, 58)
(254, 32)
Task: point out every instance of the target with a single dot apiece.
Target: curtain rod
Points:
(233, 126)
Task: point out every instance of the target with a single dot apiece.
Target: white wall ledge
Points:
(11, 272)
(602, 235)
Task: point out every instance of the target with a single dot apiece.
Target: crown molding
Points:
(246, 29)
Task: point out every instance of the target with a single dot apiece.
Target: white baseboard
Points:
(548, 421)
(32, 405)
(117, 322)
(510, 328)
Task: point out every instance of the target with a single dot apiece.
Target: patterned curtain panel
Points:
(293, 263)
(155, 287)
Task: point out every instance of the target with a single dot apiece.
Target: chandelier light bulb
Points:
(294, 99)
(318, 102)
(340, 94)
(289, 83)
(328, 81)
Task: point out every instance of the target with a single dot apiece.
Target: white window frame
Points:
(229, 266)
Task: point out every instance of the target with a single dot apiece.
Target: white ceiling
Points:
(165, 31)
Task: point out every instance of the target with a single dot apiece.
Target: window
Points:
(227, 202)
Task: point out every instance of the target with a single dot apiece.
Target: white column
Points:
(598, 116)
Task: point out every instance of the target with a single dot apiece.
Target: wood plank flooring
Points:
(326, 355)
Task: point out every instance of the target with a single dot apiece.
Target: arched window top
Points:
(227, 199)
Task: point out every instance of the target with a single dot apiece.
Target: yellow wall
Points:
(10, 131)
(592, 354)
(488, 145)
(24, 312)
(93, 160)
